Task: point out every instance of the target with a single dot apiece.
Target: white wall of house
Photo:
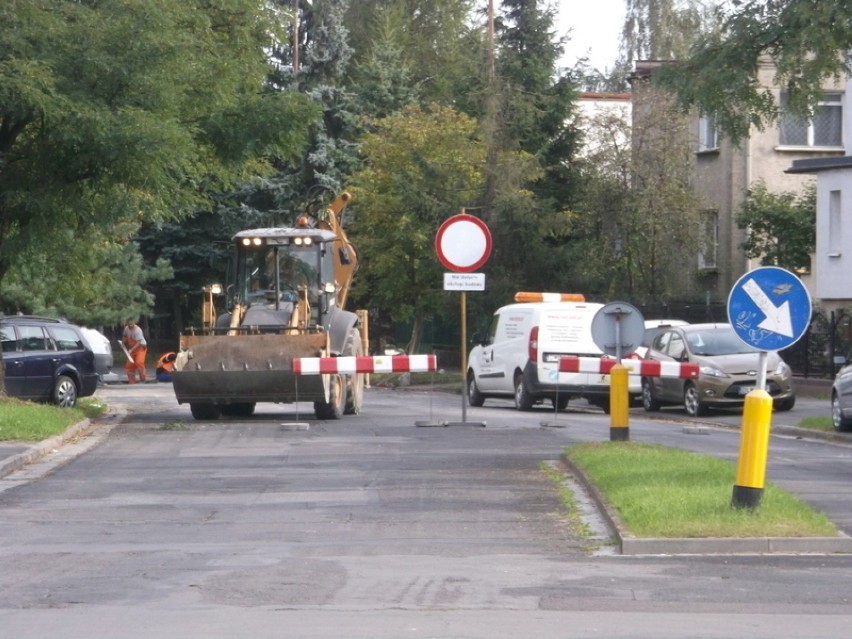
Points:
(833, 255)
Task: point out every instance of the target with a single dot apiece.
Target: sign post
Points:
(770, 309)
(617, 329)
(463, 244)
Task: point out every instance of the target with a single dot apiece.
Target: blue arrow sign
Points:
(769, 308)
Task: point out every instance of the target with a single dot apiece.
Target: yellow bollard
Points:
(619, 404)
(754, 446)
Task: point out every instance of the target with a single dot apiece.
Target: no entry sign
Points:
(463, 243)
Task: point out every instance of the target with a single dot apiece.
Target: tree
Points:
(666, 29)
(806, 41)
(95, 281)
(782, 227)
(537, 103)
(114, 113)
(640, 216)
(441, 48)
(421, 166)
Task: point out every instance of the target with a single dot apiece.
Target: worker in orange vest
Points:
(134, 339)
(165, 367)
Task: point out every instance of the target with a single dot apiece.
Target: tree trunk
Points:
(416, 332)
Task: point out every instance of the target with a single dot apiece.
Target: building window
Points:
(707, 140)
(709, 240)
(834, 230)
(824, 128)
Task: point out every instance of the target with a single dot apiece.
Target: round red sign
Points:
(463, 243)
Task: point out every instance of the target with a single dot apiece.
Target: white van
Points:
(519, 357)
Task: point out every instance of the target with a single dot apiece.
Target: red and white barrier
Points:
(643, 367)
(364, 364)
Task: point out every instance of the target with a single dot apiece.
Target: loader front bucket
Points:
(232, 369)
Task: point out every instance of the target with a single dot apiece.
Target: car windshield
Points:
(717, 341)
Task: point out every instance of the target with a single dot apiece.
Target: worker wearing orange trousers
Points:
(134, 339)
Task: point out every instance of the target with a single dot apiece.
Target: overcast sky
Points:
(595, 30)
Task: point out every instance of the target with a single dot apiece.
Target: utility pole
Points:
(295, 37)
(490, 32)
(490, 127)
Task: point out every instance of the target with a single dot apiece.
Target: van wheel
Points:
(64, 392)
(692, 403)
(523, 399)
(561, 403)
(474, 397)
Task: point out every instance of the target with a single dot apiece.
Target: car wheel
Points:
(204, 410)
(841, 424)
(649, 402)
(474, 397)
(523, 399)
(561, 403)
(691, 402)
(64, 392)
(783, 405)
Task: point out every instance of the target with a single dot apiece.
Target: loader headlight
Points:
(302, 241)
(252, 241)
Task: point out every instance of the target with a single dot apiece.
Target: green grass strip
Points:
(664, 492)
(29, 421)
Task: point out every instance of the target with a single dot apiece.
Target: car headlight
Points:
(783, 369)
(712, 371)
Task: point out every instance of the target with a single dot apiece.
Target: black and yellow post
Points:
(754, 447)
(619, 404)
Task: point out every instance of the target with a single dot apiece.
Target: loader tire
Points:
(355, 382)
(336, 404)
(240, 409)
(204, 410)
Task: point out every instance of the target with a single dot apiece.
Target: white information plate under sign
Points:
(464, 281)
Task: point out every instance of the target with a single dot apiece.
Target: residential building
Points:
(605, 119)
(832, 259)
(723, 173)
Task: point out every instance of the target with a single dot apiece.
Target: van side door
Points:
(484, 356)
(510, 348)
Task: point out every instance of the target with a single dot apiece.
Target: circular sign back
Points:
(621, 319)
(463, 243)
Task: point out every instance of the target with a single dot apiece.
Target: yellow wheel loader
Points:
(286, 292)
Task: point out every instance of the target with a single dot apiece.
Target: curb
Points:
(627, 544)
(45, 447)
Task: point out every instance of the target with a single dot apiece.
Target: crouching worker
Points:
(137, 349)
(165, 367)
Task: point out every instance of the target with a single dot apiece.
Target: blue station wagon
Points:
(46, 360)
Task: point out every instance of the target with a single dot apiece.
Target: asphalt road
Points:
(159, 526)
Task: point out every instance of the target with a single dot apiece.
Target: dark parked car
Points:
(46, 360)
(727, 370)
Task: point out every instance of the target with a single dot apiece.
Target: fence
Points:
(829, 335)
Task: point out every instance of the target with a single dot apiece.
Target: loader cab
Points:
(271, 268)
